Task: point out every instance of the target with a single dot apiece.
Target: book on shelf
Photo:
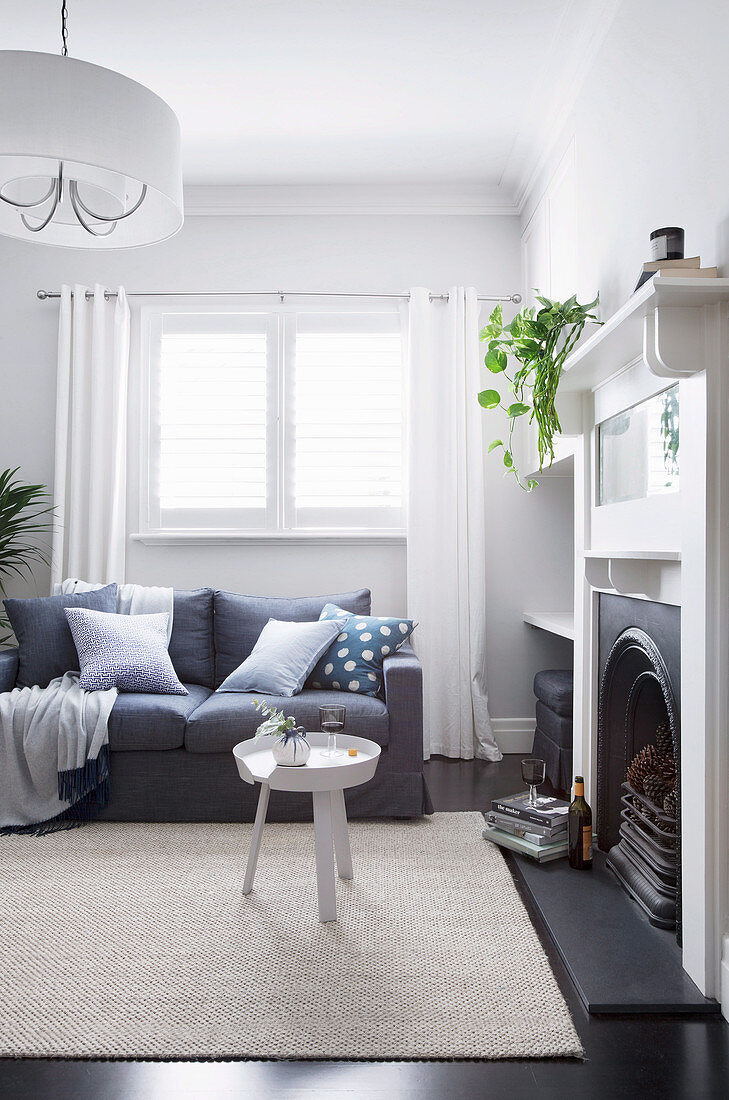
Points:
(678, 273)
(537, 834)
(667, 265)
(541, 853)
(665, 270)
(550, 812)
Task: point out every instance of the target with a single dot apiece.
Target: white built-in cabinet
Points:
(549, 265)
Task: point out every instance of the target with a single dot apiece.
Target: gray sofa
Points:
(170, 755)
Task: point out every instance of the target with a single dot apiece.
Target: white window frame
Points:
(280, 512)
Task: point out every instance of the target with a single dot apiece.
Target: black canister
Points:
(667, 243)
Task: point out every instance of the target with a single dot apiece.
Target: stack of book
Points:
(689, 268)
(539, 832)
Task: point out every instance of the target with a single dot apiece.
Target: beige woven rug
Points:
(135, 941)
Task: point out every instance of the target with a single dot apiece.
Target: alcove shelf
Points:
(555, 622)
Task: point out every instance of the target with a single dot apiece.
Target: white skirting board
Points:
(514, 734)
(724, 991)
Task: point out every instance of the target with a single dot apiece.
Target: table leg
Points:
(256, 838)
(324, 855)
(341, 835)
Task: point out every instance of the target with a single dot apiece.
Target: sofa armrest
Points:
(403, 675)
(8, 668)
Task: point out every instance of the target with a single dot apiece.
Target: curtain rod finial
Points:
(42, 294)
(516, 298)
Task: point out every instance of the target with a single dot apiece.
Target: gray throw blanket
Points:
(54, 741)
(54, 748)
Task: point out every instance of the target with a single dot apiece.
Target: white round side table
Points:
(327, 778)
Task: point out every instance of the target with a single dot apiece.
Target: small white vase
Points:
(294, 751)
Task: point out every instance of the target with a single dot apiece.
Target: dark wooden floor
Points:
(638, 1058)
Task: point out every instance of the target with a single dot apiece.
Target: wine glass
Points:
(532, 772)
(331, 722)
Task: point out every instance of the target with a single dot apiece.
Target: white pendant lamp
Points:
(88, 157)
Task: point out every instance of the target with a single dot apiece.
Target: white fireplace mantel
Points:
(663, 322)
(673, 549)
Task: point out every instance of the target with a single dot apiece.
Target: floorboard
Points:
(626, 1056)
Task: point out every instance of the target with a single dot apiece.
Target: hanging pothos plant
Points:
(537, 342)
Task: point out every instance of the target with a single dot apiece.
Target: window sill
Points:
(269, 538)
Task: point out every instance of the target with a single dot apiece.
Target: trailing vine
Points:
(539, 342)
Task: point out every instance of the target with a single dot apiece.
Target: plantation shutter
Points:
(346, 424)
(212, 410)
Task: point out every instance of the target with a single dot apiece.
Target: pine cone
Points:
(645, 763)
(665, 766)
(655, 788)
(664, 739)
(670, 803)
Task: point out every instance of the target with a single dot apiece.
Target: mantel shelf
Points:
(648, 326)
(555, 622)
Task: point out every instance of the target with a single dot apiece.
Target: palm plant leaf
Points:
(25, 514)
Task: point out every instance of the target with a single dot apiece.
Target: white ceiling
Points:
(357, 91)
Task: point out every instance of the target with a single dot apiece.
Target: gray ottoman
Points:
(553, 734)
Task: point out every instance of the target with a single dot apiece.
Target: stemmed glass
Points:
(532, 772)
(331, 722)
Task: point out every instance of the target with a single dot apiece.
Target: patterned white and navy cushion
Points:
(128, 652)
(354, 660)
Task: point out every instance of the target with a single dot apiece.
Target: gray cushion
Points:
(554, 687)
(44, 636)
(191, 645)
(141, 721)
(556, 727)
(238, 620)
(224, 720)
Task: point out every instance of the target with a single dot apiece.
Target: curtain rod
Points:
(108, 294)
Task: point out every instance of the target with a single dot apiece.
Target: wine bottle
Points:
(580, 829)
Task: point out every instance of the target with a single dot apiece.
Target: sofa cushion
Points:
(282, 658)
(224, 720)
(353, 663)
(191, 645)
(142, 721)
(554, 687)
(128, 652)
(238, 620)
(45, 642)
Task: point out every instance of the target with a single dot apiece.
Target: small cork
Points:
(352, 752)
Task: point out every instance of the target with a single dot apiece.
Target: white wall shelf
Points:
(555, 622)
(635, 555)
(642, 322)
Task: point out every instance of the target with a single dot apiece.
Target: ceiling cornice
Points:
(559, 88)
(210, 200)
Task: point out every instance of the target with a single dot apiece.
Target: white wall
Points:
(332, 252)
(648, 131)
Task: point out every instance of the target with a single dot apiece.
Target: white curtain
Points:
(91, 436)
(447, 553)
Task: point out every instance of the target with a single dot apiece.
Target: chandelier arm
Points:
(54, 207)
(74, 203)
(29, 205)
(103, 217)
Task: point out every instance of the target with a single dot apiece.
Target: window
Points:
(274, 422)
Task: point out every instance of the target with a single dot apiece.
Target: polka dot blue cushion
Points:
(354, 660)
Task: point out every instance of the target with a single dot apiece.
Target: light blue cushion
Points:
(354, 661)
(128, 652)
(282, 658)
